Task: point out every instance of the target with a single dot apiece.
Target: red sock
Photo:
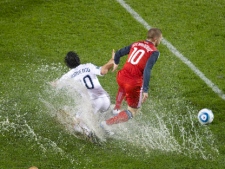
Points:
(119, 98)
(121, 117)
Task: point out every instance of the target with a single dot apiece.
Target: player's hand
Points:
(115, 66)
(144, 98)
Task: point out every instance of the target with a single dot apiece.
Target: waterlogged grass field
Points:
(36, 35)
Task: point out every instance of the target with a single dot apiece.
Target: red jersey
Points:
(141, 57)
(138, 56)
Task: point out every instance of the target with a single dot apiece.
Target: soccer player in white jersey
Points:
(87, 75)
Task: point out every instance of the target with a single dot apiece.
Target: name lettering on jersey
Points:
(80, 71)
(143, 45)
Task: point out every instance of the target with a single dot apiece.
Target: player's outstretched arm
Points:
(105, 68)
(120, 53)
(115, 66)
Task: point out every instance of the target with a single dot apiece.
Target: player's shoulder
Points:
(91, 66)
(85, 65)
(149, 46)
(88, 65)
(67, 74)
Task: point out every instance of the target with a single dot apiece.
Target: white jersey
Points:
(86, 74)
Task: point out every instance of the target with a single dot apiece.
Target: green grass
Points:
(35, 36)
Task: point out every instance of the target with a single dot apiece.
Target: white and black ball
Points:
(205, 116)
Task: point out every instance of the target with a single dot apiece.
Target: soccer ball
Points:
(205, 116)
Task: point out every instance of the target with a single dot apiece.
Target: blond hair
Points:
(154, 33)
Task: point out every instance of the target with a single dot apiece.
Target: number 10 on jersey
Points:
(136, 56)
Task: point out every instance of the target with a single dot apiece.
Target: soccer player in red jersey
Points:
(133, 79)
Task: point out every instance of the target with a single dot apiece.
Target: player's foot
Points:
(92, 137)
(81, 128)
(116, 111)
(106, 128)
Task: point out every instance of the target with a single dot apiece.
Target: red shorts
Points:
(132, 88)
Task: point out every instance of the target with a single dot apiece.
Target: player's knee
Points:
(103, 104)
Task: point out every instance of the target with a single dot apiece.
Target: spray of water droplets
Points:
(65, 101)
(19, 127)
(158, 126)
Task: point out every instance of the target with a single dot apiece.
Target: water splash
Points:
(158, 128)
(71, 100)
(23, 130)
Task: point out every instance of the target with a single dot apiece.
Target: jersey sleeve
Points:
(65, 77)
(95, 69)
(147, 71)
(120, 53)
(62, 80)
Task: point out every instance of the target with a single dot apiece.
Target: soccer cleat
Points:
(92, 137)
(106, 128)
(80, 127)
(116, 112)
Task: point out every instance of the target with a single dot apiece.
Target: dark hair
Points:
(154, 33)
(72, 59)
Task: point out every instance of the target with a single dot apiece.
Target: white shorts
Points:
(101, 104)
